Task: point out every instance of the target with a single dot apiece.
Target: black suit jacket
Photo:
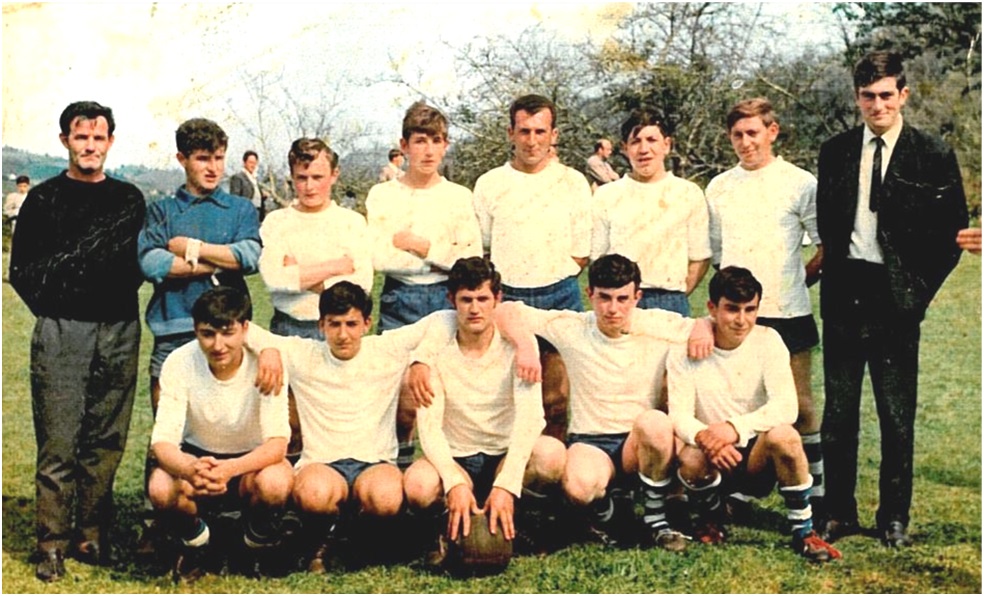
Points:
(239, 184)
(922, 207)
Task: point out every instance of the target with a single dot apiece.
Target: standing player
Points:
(481, 434)
(760, 210)
(653, 218)
(735, 412)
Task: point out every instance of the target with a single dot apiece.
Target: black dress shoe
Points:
(51, 567)
(835, 529)
(896, 535)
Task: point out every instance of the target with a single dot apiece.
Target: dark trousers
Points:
(865, 331)
(83, 378)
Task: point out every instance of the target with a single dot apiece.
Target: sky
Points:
(159, 64)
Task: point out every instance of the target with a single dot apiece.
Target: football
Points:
(481, 551)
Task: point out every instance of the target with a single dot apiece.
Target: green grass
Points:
(946, 510)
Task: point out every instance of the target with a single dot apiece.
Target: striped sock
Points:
(405, 455)
(707, 499)
(199, 537)
(603, 509)
(654, 506)
(798, 510)
(811, 445)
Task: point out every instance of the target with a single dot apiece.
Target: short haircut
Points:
(640, 118)
(613, 271)
(250, 153)
(221, 307)
(393, 153)
(22, 179)
(343, 297)
(599, 144)
(305, 150)
(470, 273)
(200, 134)
(531, 104)
(750, 108)
(85, 110)
(876, 66)
(737, 284)
(425, 119)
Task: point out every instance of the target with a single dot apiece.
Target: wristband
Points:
(192, 251)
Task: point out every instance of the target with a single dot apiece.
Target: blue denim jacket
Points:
(219, 218)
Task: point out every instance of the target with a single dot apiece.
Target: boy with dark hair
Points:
(217, 440)
(616, 432)
(481, 433)
(420, 225)
(734, 412)
(72, 263)
(653, 218)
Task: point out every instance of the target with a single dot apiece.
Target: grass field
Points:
(946, 511)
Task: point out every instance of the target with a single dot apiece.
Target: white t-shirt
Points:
(347, 408)
(662, 226)
(442, 213)
(533, 224)
(311, 238)
(750, 386)
(227, 417)
(480, 405)
(612, 380)
(758, 218)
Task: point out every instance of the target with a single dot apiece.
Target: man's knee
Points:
(422, 485)
(654, 431)
(783, 442)
(546, 463)
(162, 490)
(586, 477)
(272, 485)
(379, 490)
(315, 495)
(694, 468)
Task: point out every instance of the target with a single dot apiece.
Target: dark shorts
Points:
(350, 469)
(562, 295)
(481, 467)
(611, 444)
(671, 300)
(759, 485)
(230, 500)
(163, 346)
(798, 333)
(287, 326)
(403, 304)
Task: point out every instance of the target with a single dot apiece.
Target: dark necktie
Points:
(876, 175)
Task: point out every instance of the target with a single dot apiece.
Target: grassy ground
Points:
(946, 511)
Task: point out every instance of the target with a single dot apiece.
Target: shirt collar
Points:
(890, 137)
(216, 196)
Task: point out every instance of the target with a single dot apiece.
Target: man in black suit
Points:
(889, 204)
(245, 184)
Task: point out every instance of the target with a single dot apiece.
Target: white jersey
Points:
(533, 224)
(226, 417)
(750, 386)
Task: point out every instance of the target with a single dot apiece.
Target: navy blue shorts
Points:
(230, 500)
(481, 467)
(611, 444)
(671, 300)
(562, 295)
(739, 480)
(287, 326)
(403, 304)
(798, 333)
(350, 469)
(163, 346)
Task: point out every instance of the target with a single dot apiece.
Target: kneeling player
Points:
(481, 433)
(616, 432)
(216, 438)
(735, 412)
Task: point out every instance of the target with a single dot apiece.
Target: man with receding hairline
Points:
(73, 262)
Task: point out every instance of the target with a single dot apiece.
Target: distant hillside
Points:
(152, 182)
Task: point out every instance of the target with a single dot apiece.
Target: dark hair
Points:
(599, 144)
(250, 153)
(470, 273)
(85, 110)
(393, 153)
(343, 297)
(222, 306)
(22, 179)
(305, 150)
(425, 119)
(640, 118)
(199, 134)
(531, 104)
(876, 66)
(750, 108)
(613, 271)
(737, 284)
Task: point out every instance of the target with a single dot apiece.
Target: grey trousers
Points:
(83, 378)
